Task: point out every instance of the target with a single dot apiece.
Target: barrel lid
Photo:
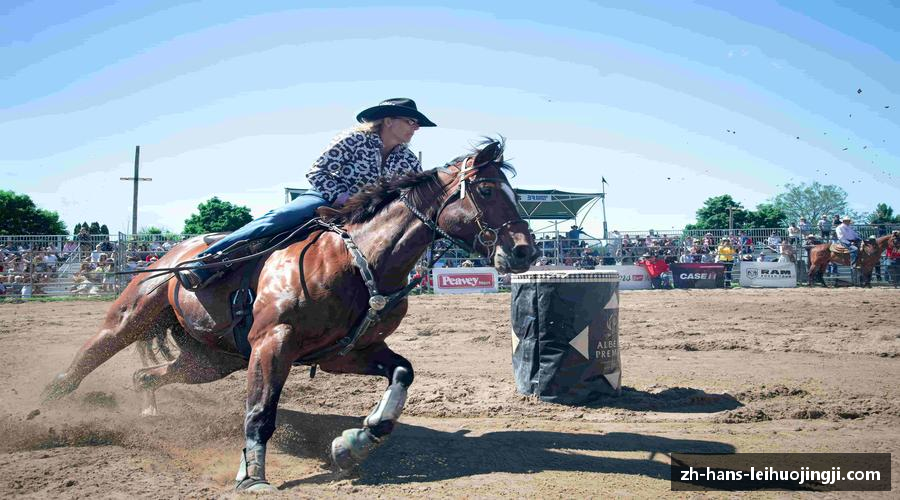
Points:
(567, 276)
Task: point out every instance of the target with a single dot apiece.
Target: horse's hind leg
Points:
(195, 364)
(127, 320)
(354, 445)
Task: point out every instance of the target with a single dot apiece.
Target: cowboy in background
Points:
(824, 226)
(848, 237)
(804, 226)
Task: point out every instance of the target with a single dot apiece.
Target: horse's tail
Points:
(157, 347)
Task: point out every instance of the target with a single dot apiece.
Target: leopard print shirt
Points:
(353, 160)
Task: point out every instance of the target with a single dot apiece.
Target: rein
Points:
(160, 271)
(487, 236)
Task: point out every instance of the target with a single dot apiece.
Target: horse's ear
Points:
(328, 213)
(489, 153)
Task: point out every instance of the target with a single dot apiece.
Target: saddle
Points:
(243, 293)
(839, 248)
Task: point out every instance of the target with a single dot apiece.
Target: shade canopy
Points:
(552, 204)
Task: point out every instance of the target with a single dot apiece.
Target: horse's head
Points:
(481, 209)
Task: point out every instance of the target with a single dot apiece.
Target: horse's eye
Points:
(486, 191)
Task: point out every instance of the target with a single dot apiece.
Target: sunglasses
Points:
(409, 121)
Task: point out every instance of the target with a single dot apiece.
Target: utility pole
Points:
(731, 220)
(136, 179)
(603, 203)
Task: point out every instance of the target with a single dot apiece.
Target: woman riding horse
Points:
(327, 300)
(375, 150)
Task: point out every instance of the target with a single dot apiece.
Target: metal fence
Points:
(63, 265)
(757, 244)
(47, 265)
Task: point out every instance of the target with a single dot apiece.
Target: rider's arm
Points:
(325, 175)
(406, 162)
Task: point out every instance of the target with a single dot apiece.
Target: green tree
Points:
(104, 229)
(95, 228)
(766, 215)
(22, 216)
(217, 215)
(714, 213)
(77, 228)
(883, 214)
(811, 201)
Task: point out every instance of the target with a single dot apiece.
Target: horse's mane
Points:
(422, 186)
(362, 206)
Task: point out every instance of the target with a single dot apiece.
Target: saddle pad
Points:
(838, 248)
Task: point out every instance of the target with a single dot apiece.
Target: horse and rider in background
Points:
(850, 250)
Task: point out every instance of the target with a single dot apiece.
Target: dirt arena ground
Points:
(705, 371)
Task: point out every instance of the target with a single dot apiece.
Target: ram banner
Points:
(768, 274)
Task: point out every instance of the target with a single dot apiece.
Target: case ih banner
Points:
(464, 280)
(769, 274)
(631, 277)
(698, 275)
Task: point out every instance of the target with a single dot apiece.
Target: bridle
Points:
(487, 236)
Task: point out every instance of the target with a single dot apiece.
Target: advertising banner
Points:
(465, 280)
(631, 277)
(698, 275)
(768, 274)
(536, 197)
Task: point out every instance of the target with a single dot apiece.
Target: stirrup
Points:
(192, 281)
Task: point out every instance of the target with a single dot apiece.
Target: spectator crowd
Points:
(86, 263)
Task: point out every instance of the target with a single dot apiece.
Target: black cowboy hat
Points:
(398, 106)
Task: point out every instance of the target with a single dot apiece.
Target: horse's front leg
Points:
(354, 445)
(270, 363)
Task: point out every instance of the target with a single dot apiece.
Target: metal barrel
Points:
(565, 334)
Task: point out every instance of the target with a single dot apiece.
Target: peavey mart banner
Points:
(465, 280)
(768, 274)
(698, 275)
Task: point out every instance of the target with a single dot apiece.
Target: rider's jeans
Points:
(275, 221)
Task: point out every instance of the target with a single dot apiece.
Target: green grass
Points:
(66, 298)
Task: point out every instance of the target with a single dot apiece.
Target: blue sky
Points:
(236, 99)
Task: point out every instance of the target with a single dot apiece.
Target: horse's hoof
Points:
(252, 485)
(149, 412)
(340, 454)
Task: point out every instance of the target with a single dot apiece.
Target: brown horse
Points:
(311, 299)
(868, 258)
